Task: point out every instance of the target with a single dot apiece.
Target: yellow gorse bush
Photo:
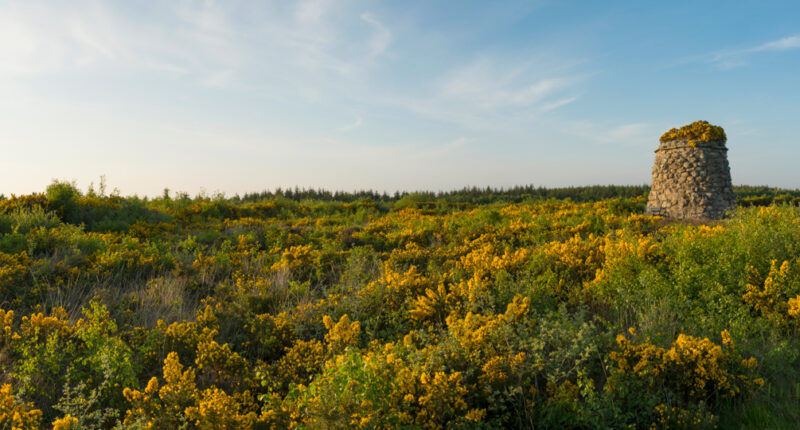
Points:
(576, 259)
(7, 333)
(379, 389)
(294, 257)
(219, 365)
(486, 260)
(341, 334)
(793, 306)
(177, 400)
(162, 406)
(698, 131)
(288, 314)
(696, 367)
(215, 409)
(771, 298)
(14, 415)
(397, 286)
(67, 422)
(619, 252)
(300, 363)
(476, 332)
(433, 306)
(40, 326)
(13, 268)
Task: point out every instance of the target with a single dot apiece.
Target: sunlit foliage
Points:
(698, 131)
(396, 312)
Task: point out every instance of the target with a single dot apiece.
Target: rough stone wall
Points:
(691, 182)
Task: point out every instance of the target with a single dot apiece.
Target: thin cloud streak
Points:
(214, 47)
(209, 40)
(381, 38)
(495, 94)
(739, 57)
(488, 85)
(558, 103)
(792, 42)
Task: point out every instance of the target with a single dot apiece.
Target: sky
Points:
(235, 97)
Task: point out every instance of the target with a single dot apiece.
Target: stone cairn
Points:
(691, 175)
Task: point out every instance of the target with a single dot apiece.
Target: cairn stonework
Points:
(691, 180)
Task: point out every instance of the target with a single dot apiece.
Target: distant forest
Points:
(747, 195)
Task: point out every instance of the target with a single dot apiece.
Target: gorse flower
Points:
(341, 334)
(67, 422)
(698, 131)
(16, 415)
(794, 306)
(771, 299)
(432, 313)
(694, 367)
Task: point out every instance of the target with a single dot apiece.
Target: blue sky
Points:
(236, 97)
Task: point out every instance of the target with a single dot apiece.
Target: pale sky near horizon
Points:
(239, 97)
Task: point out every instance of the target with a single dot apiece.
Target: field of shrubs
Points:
(473, 309)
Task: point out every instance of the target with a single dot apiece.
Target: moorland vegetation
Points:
(521, 308)
(696, 132)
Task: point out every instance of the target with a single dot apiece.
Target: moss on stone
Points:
(698, 131)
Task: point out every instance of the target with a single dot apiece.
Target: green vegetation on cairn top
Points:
(696, 132)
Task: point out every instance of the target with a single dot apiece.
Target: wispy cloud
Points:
(740, 57)
(36, 39)
(312, 51)
(791, 42)
(381, 37)
(40, 39)
(210, 43)
(490, 85)
(558, 103)
(312, 11)
(497, 93)
(355, 124)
